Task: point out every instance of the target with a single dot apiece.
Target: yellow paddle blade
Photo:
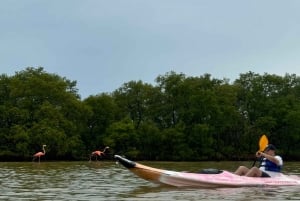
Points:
(263, 142)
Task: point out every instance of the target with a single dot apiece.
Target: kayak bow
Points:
(206, 179)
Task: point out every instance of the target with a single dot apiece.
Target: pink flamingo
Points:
(39, 154)
(98, 153)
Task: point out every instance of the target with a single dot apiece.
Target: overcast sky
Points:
(103, 44)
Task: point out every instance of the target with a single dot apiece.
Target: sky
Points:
(103, 44)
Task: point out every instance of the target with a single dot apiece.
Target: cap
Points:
(270, 147)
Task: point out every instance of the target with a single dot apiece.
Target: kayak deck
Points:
(208, 180)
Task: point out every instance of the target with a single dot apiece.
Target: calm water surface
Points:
(109, 181)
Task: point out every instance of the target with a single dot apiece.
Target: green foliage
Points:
(173, 144)
(179, 118)
(102, 112)
(149, 138)
(39, 108)
(122, 137)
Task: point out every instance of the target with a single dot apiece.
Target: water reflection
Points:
(108, 181)
(173, 193)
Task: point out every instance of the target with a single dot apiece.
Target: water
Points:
(108, 181)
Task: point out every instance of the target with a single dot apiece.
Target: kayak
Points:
(207, 178)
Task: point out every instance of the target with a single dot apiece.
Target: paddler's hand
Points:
(258, 154)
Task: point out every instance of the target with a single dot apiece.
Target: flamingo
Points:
(39, 154)
(98, 153)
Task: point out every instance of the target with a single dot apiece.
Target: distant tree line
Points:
(178, 118)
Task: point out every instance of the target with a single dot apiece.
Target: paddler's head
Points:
(270, 148)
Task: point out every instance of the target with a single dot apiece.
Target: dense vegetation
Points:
(180, 118)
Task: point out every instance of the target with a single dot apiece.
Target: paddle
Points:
(263, 142)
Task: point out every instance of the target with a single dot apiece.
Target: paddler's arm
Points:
(269, 157)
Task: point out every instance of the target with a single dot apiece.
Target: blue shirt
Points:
(267, 165)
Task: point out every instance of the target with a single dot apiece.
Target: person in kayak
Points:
(270, 164)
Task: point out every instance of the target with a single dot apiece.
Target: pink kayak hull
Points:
(224, 179)
(187, 179)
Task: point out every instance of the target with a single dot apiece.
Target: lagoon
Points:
(106, 180)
